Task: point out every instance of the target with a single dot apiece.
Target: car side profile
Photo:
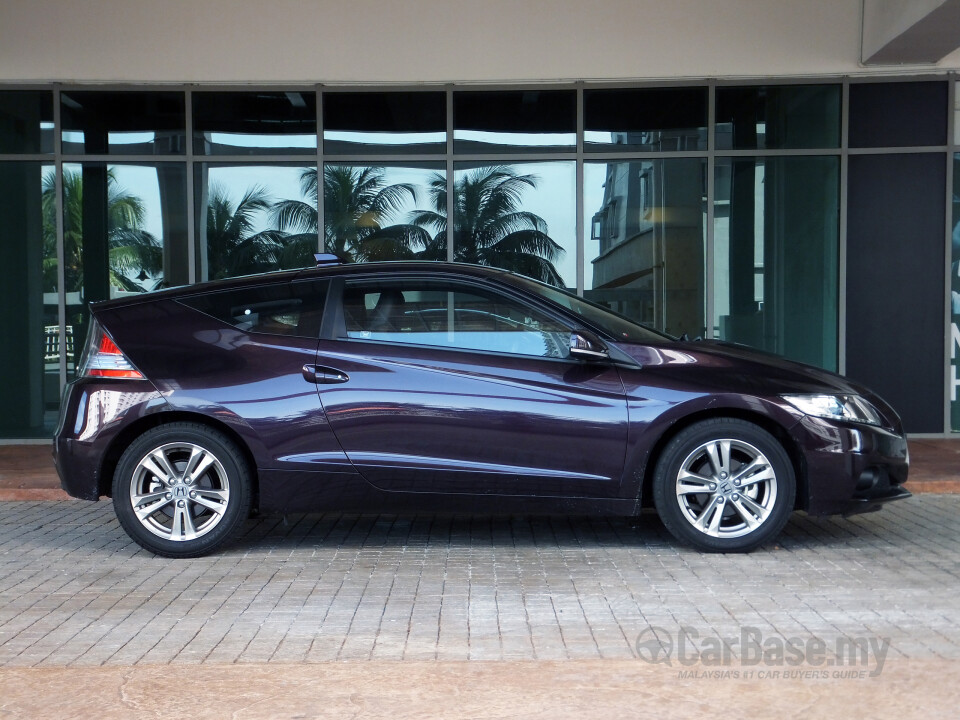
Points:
(411, 386)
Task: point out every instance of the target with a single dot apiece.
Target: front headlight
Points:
(850, 408)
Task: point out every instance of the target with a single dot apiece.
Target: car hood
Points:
(717, 366)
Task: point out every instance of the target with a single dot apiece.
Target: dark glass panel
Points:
(384, 122)
(776, 254)
(898, 114)
(254, 123)
(123, 122)
(514, 120)
(31, 347)
(655, 119)
(26, 121)
(645, 241)
(778, 117)
(895, 290)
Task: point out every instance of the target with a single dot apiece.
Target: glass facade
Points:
(647, 119)
(254, 218)
(519, 121)
(26, 122)
(385, 212)
(123, 123)
(254, 123)
(124, 232)
(778, 117)
(33, 344)
(519, 217)
(645, 240)
(776, 241)
(371, 123)
(898, 114)
(706, 209)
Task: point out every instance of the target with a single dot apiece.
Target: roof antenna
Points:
(325, 259)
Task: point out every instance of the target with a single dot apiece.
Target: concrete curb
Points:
(22, 494)
(475, 689)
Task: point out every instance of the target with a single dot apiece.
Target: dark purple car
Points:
(443, 387)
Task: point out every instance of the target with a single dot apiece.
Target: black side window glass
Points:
(278, 309)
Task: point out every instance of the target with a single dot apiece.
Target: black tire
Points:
(191, 485)
(747, 496)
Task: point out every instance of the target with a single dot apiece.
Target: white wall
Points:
(412, 41)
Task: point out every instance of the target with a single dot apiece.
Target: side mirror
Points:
(585, 345)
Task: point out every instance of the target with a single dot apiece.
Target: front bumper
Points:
(850, 468)
(875, 500)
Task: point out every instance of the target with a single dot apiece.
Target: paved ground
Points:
(555, 604)
(75, 591)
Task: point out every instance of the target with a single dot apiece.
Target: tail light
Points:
(103, 358)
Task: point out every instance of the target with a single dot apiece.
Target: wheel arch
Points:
(766, 423)
(126, 436)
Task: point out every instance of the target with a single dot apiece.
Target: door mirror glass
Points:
(587, 346)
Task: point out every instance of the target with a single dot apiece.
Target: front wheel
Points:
(181, 489)
(724, 485)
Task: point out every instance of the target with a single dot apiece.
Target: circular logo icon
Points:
(655, 645)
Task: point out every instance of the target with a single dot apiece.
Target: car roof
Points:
(400, 266)
(325, 271)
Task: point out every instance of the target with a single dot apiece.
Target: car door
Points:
(453, 386)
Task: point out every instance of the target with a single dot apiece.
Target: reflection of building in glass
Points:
(650, 230)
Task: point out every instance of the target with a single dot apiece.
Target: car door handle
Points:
(321, 374)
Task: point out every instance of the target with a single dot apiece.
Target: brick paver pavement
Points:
(74, 591)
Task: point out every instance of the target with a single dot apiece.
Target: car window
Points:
(276, 309)
(450, 315)
(603, 318)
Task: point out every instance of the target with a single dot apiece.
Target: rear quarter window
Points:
(278, 309)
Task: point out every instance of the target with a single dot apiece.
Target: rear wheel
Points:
(724, 485)
(181, 490)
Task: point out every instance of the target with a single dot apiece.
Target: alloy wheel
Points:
(179, 491)
(726, 488)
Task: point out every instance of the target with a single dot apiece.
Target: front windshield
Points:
(607, 321)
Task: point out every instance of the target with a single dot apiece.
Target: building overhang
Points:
(909, 32)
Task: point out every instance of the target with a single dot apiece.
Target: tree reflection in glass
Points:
(135, 255)
(359, 207)
(490, 225)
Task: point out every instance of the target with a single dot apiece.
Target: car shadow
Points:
(278, 534)
(90, 531)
